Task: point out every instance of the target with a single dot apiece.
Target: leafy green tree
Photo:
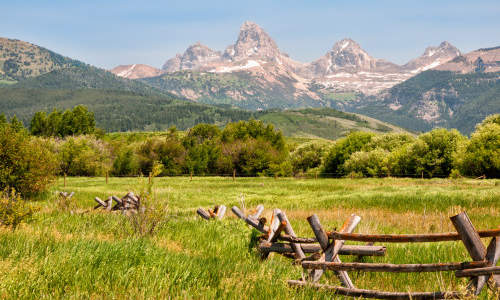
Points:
(481, 156)
(373, 163)
(306, 157)
(78, 121)
(38, 124)
(26, 163)
(3, 119)
(389, 141)
(16, 125)
(54, 124)
(125, 163)
(83, 156)
(342, 150)
(431, 155)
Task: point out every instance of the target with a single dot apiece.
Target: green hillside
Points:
(20, 60)
(117, 110)
(323, 123)
(437, 99)
(128, 111)
(85, 77)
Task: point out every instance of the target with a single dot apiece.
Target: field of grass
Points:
(84, 253)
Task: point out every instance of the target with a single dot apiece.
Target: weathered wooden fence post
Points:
(234, 174)
(64, 179)
(474, 246)
(106, 177)
(289, 230)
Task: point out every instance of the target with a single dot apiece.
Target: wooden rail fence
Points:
(326, 247)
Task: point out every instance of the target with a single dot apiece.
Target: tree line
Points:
(68, 143)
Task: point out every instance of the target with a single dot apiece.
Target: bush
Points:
(342, 150)
(125, 163)
(370, 164)
(306, 157)
(13, 209)
(83, 156)
(431, 155)
(481, 156)
(26, 164)
(168, 151)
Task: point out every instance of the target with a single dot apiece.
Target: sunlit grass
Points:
(90, 254)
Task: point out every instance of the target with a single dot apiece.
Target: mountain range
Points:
(344, 68)
(440, 88)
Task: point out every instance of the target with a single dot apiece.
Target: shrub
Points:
(13, 209)
(342, 150)
(26, 164)
(431, 155)
(481, 156)
(306, 157)
(168, 151)
(83, 156)
(389, 141)
(125, 163)
(370, 164)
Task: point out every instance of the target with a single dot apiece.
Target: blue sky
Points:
(107, 33)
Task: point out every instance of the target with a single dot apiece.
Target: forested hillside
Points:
(437, 99)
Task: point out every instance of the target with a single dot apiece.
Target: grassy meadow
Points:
(86, 253)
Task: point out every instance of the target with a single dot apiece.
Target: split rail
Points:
(326, 247)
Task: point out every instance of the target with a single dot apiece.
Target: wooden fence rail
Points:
(481, 269)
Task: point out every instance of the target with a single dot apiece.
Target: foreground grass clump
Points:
(91, 254)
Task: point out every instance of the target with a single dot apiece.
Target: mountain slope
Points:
(323, 123)
(84, 77)
(20, 60)
(481, 60)
(437, 99)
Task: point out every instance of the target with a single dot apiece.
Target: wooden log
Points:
(101, 203)
(294, 239)
(272, 235)
(473, 244)
(323, 241)
(330, 251)
(221, 212)
(407, 238)
(117, 200)
(376, 294)
(289, 230)
(238, 212)
(258, 211)
(492, 257)
(254, 223)
(478, 272)
(348, 227)
(281, 228)
(392, 268)
(202, 213)
(109, 204)
(313, 248)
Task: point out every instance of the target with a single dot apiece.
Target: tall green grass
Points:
(90, 254)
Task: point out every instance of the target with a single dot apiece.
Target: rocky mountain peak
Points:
(195, 56)
(432, 57)
(346, 45)
(252, 41)
(444, 49)
(346, 56)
